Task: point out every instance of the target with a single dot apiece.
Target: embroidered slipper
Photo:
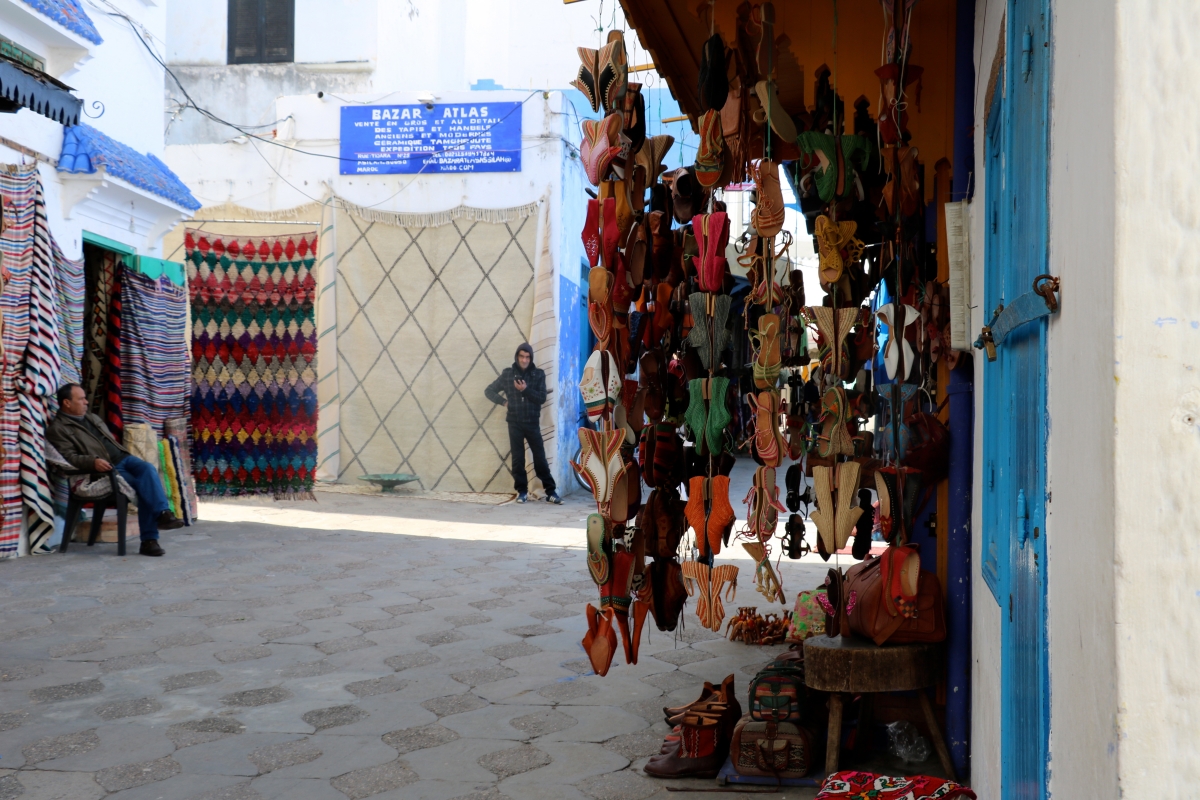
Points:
(600, 641)
(767, 217)
(773, 112)
(617, 510)
(600, 385)
(621, 423)
(837, 246)
(847, 512)
(585, 80)
(709, 584)
(610, 232)
(591, 232)
(709, 155)
(891, 350)
(613, 71)
(591, 466)
(666, 453)
(825, 515)
(599, 546)
(599, 146)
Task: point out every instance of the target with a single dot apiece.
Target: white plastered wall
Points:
(1157, 387)
(985, 616)
(1079, 516)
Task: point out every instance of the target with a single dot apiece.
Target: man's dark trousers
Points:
(151, 500)
(518, 434)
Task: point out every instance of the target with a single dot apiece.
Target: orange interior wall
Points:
(860, 37)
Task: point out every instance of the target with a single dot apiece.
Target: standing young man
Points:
(522, 387)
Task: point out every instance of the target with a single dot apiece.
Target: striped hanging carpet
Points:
(70, 289)
(254, 348)
(31, 366)
(155, 363)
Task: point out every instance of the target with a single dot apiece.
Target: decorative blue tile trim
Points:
(86, 149)
(69, 14)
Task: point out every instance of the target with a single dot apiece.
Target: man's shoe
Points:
(150, 547)
(522, 497)
(554, 498)
(168, 522)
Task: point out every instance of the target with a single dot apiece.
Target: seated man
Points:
(84, 440)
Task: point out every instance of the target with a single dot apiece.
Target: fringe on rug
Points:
(495, 216)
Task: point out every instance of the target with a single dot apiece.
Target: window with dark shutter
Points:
(261, 31)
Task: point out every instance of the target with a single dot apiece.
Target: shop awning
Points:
(22, 87)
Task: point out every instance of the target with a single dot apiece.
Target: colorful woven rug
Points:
(31, 368)
(254, 347)
(70, 289)
(155, 362)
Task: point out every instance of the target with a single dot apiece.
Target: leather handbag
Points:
(770, 749)
(879, 616)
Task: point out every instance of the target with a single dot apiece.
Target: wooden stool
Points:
(856, 666)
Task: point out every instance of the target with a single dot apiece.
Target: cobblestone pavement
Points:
(357, 647)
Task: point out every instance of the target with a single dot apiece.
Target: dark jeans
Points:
(518, 435)
(151, 500)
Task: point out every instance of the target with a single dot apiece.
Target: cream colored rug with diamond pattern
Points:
(426, 318)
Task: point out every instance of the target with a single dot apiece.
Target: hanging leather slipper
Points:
(599, 546)
(864, 526)
(591, 232)
(599, 146)
(585, 80)
(651, 156)
(709, 154)
(614, 72)
(600, 641)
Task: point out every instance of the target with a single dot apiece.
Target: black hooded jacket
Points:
(524, 408)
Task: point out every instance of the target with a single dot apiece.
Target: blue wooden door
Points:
(1014, 388)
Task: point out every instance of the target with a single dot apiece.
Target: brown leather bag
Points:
(770, 749)
(872, 618)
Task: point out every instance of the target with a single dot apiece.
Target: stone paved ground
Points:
(356, 647)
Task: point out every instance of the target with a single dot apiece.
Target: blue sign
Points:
(450, 137)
